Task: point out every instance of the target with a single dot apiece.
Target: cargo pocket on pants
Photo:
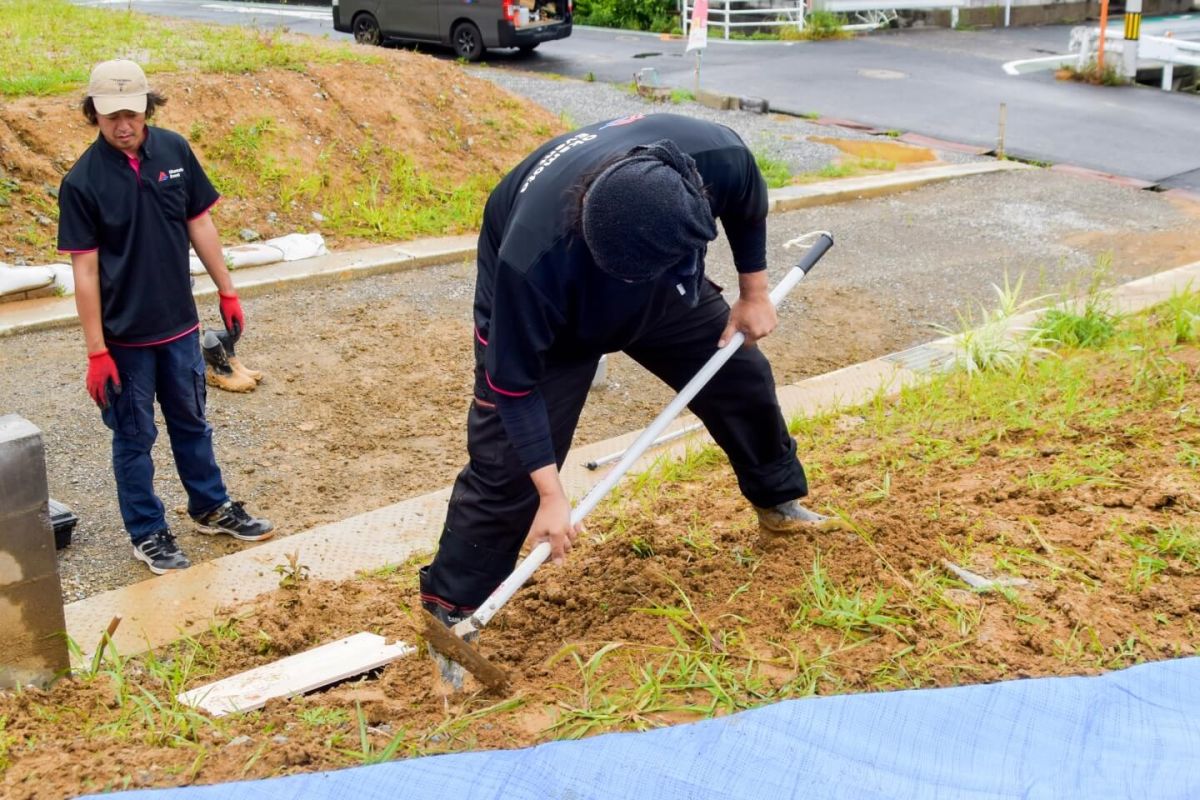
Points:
(119, 416)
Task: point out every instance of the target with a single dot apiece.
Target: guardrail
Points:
(729, 14)
(877, 13)
(1165, 50)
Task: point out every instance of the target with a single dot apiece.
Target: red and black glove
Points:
(102, 372)
(231, 314)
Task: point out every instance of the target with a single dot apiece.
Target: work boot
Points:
(791, 517)
(218, 371)
(227, 342)
(232, 519)
(160, 552)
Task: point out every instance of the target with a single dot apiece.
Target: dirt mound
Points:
(363, 145)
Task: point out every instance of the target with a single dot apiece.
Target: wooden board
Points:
(296, 674)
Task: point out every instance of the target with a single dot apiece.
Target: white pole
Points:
(1133, 28)
(1168, 78)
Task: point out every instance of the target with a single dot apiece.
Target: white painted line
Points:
(269, 12)
(296, 674)
(1044, 62)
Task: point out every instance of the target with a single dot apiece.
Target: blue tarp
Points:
(1128, 734)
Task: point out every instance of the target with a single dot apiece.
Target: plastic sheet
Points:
(1128, 734)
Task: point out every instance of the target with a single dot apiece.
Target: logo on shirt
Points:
(162, 176)
(170, 175)
(568, 144)
(623, 121)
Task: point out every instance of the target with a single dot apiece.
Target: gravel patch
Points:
(779, 136)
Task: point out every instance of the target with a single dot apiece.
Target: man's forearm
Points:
(86, 269)
(752, 285)
(207, 243)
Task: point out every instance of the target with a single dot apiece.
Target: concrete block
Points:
(722, 102)
(26, 547)
(33, 646)
(758, 105)
(22, 465)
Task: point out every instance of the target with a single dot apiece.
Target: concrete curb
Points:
(23, 316)
(159, 610)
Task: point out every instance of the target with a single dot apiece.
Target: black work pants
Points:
(494, 501)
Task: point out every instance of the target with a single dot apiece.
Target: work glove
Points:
(231, 314)
(102, 372)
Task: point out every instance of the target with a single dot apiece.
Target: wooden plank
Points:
(296, 674)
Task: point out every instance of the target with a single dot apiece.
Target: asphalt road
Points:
(941, 83)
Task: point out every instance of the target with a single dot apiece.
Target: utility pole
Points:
(1133, 30)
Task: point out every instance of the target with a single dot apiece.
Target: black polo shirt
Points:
(539, 296)
(137, 220)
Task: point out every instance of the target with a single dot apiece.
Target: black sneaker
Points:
(160, 553)
(232, 519)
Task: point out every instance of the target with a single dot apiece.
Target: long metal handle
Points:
(539, 554)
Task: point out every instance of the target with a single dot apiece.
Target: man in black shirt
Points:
(128, 210)
(595, 243)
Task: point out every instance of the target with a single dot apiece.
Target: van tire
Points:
(366, 29)
(467, 41)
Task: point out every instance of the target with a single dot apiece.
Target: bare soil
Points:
(681, 570)
(333, 124)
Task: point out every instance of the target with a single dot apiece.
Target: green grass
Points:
(847, 168)
(820, 25)
(823, 603)
(1092, 73)
(1085, 322)
(776, 173)
(51, 46)
(988, 340)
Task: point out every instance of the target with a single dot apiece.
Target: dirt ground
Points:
(679, 574)
(281, 143)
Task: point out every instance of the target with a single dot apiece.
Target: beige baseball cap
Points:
(118, 86)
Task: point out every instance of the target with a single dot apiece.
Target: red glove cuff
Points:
(98, 354)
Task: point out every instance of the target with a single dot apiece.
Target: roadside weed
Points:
(1088, 322)
(992, 342)
(1181, 315)
(820, 24)
(775, 172)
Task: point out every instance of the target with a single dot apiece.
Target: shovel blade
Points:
(457, 651)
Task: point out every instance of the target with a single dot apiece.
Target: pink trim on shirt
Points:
(79, 252)
(168, 340)
(135, 162)
(496, 388)
(479, 336)
(205, 211)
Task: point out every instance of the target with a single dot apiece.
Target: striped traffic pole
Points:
(1133, 29)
